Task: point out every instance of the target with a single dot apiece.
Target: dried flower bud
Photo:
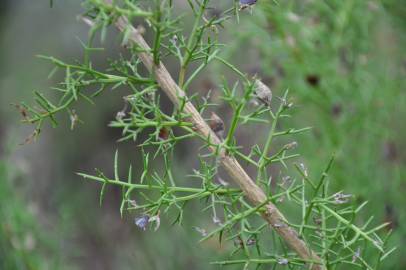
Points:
(203, 232)
(157, 221)
(74, 119)
(356, 255)
(283, 261)
(142, 222)
(163, 134)
(238, 242)
(251, 241)
(120, 115)
(286, 104)
(22, 111)
(217, 221)
(340, 198)
(291, 145)
(286, 181)
(222, 182)
(262, 92)
(133, 203)
(129, 98)
(32, 137)
(217, 125)
(304, 169)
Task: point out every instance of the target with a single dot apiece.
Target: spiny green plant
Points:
(322, 231)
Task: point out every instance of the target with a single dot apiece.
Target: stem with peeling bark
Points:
(252, 191)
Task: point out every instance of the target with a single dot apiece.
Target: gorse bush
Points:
(242, 189)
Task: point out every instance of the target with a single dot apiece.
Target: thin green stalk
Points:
(191, 44)
(219, 191)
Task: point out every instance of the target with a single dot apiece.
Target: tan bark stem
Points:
(253, 192)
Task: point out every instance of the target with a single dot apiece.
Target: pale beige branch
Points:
(254, 193)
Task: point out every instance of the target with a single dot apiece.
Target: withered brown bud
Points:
(217, 125)
(74, 119)
(163, 134)
(238, 242)
(32, 137)
(291, 145)
(263, 92)
(22, 111)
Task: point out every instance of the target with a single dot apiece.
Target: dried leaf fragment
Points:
(263, 92)
(217, 125)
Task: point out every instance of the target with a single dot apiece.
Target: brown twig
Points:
(254, 193)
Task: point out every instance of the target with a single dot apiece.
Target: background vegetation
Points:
(343, 61)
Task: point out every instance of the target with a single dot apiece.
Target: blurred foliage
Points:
(23, 244)
(343, 61)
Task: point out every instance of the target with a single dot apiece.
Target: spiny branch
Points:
(252, 191)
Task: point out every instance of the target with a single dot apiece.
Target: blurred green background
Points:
(344, 62)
